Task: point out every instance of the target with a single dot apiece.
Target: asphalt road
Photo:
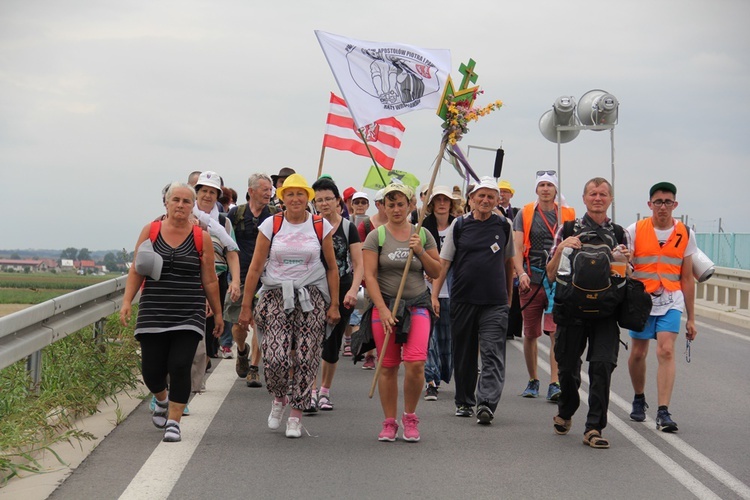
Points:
(229, 452)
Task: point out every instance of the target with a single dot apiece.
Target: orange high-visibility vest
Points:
(656, 265)
(568, 213)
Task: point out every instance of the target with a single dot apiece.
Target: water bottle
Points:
(563, 269)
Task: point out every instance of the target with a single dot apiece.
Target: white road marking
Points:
(162, 470)
(670, 466)
(721, 330)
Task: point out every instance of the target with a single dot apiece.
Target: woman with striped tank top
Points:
(175, 265)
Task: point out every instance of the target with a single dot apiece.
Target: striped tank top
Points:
(177, 300)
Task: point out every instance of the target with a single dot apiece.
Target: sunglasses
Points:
(359, 201)
(540, 173)
(666, 203)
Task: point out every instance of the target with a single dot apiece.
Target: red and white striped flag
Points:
(383, 136)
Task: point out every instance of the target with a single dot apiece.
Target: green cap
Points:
(663, 186)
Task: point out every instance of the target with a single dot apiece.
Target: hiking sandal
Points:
(561, 425)
(325, 403)
(594, 439)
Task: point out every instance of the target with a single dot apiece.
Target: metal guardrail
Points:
(728, 286)
(27, 332)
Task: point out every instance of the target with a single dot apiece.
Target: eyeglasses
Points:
(666, 203)
(324, 200)
(540, 173)
(360, 201)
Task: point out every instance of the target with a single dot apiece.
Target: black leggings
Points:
(168, 353)
(332, 345)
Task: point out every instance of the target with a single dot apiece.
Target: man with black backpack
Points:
(586, 253)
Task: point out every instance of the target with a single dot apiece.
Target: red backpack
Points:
(197, 235)
(278, 219)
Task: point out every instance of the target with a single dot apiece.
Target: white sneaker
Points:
(293, 428)
(277, 411)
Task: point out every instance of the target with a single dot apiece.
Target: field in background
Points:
(34, 288)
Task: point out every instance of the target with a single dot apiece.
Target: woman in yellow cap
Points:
(295, 261)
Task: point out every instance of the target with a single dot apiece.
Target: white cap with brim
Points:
(360, 195)
(379, 195)
(445, 191)
(147, 261)
(486, 183)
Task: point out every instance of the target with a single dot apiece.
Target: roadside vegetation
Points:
(78, 373)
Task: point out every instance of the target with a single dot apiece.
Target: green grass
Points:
(35, 288)
(78, 373)
(60, 281)
(27, 296)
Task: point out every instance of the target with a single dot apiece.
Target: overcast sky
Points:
(103, 103)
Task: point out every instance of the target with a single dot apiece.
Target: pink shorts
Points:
(417, 341)
(534, 319)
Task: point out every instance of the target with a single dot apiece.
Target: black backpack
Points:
(589, 290)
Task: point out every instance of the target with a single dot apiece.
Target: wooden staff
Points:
(408, 264)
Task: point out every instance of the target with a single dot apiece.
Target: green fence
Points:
(726, 249)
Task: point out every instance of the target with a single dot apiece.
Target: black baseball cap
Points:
(663, 186)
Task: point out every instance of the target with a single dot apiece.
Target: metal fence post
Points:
(34, 368)
(99, 330)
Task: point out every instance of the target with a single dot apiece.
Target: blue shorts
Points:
(356, 318)
(669, 322)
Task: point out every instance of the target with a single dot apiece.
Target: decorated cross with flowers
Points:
(457, 108)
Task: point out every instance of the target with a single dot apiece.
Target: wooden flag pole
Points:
(320, 163)
(372, 157)
(422, 212)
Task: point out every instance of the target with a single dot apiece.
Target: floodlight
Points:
(562, 113)
(598, 107)
(596, 110)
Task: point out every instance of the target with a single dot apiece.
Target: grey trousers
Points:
(483, 329)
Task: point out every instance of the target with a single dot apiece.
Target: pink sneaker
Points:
(390, 427)
(410, 421)
(369, 363)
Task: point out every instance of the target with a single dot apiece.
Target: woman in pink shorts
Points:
(385, 252)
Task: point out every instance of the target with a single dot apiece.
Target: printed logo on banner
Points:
(398, 78)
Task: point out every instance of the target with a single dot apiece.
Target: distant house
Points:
(85, 266)
(51, 264)
(20, 265)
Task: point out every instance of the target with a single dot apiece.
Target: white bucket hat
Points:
(210, 179)
(444, 190)
(486, 183)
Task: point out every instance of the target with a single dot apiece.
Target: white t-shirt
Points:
(294, 249)
(445, 290)
(664, 300)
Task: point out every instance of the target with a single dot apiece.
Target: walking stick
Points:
(422, 211)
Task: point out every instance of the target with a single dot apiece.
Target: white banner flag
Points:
(380, 80)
